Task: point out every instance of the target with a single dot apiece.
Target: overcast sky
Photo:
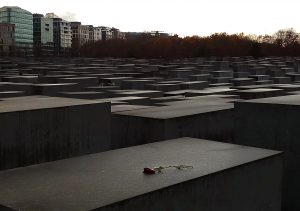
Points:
(183, 17)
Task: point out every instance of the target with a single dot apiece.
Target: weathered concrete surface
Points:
(212, 121)
(273, 123)
(224, 177)
(248, 94)
(119, 108)
(39, 129)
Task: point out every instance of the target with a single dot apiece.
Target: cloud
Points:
(69, 16)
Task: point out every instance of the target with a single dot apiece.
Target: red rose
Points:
(148, 171)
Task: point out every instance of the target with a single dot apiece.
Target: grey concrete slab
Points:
(258, 93)
(130, 100)
(49, 79)
(138, 84)
(202, 100)
(25, 87)
(200, 77)
(220, 79)
(83, 95)
(212, 121)
(197, 85)
(281, 80)
(20, 79)
(81, 81)
(264, 82)
(181, 73)
(224, 177)
(101, 88)
(287, 87)
(167, 99)
(54, 89)
(273, 123)
(7, 94)
(116, 81)
(165, 87)
(120, 108)
(241, 74)
(253, 87)
(142, 93)
(40, 129)
(182, 110)
(242, 81)
(215, 90)
(221, 85)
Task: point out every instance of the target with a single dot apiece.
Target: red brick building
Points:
(7, 38)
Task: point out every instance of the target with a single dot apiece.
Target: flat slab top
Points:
(97, 180)
(79, 78)
(119, 108)
(255, 86)
(284, 100)
(127, 98)
(203, 100)
(39, 102)
(179, 110)
(134, 92)
(258, 90)
(215, 90)
(11, 92)
(81, 93)
(54, 85)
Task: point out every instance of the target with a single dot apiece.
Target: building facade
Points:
(23, 22)
(117, 34)
(43, 44)
(80, 35)
(62, 35)
(97, 34)
(91, 33)
(7, 39)
(106, 33)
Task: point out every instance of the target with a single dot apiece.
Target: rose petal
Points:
(148, 171)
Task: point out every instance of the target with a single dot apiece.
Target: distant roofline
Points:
(15, 7)
(53, 16)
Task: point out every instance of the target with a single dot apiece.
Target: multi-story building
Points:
(159, 34)
(7, 39)
(80, 33)
(62, 35)
(106, 33)
(117, 34)
(97, 34)
(91, 33)
(23, 22)
(42, 35)
(134, 35)
(80, 36)
(122, 35)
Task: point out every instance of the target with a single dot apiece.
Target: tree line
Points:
(285, 42)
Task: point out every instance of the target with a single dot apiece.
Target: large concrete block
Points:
(135, 84)
(54, 89)
(40, 129)
(224, 177)
(273, 123)
(258, 93)
(209, 120)
(81, 81)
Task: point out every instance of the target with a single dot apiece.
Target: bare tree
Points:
(286, 37)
